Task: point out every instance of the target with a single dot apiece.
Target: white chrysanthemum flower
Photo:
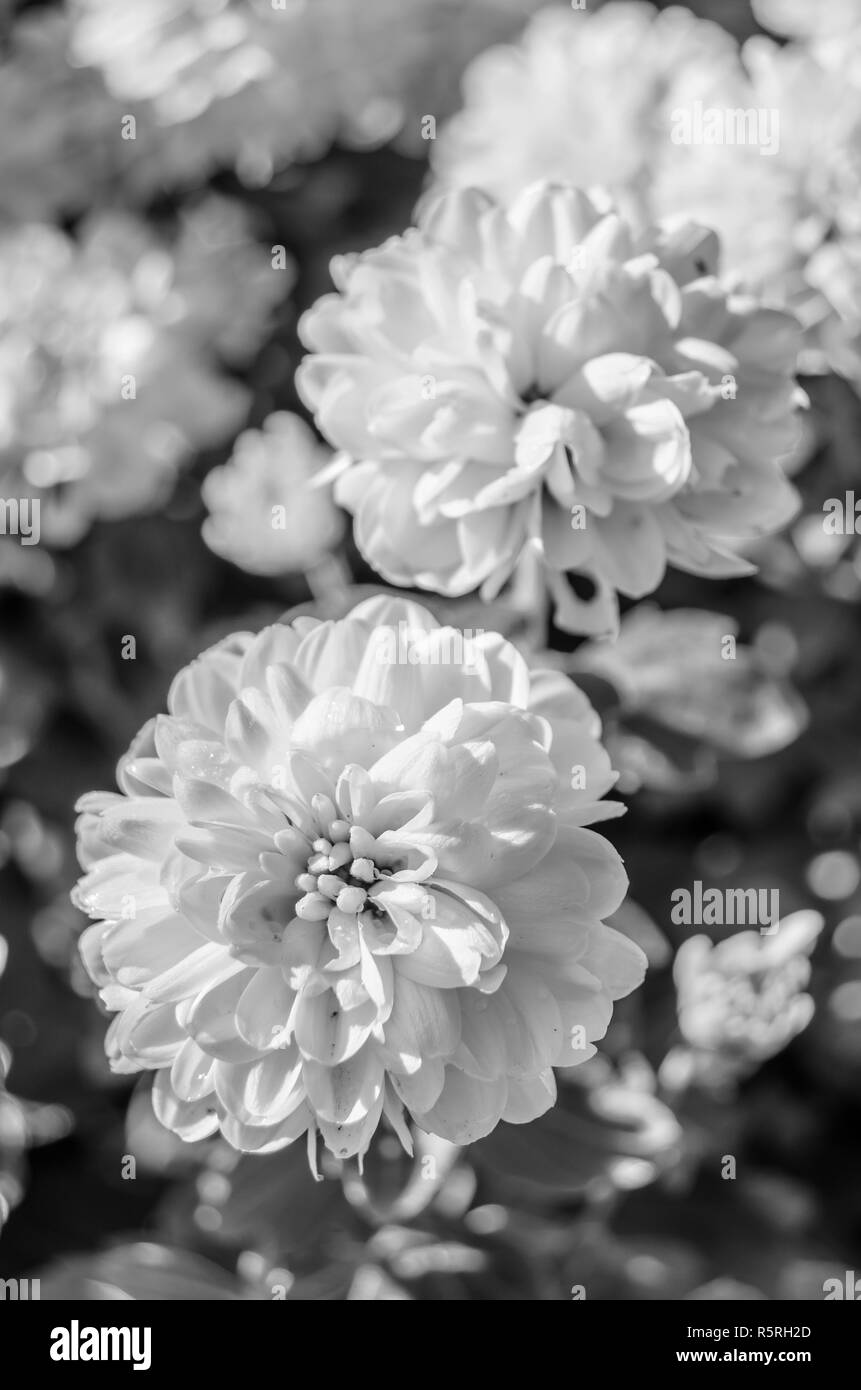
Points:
(109, 377)
(605, 98)
(580, 98)
(265, 514)
(257, 83)
(743, 998)
(348, 875)
(544, 375)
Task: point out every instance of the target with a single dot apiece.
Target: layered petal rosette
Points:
(542, 375)
(348, 877)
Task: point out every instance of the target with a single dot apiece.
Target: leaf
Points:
(25, 702)
(143, 1271)
(265, 1202)
(373, 1285)
(607, 1131)
(688, 690)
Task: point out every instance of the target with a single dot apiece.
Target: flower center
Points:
(341, 868)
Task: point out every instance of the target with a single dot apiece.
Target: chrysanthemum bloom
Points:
(743, 999)
(264, 513)
(339, 885)
(109, 356)
(544, 375)
(579, 97)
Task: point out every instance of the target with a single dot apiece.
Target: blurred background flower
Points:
(113, 346)
(257, 84)
(743, 999)
(58, 125)
(582, 96)
(264, 514)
